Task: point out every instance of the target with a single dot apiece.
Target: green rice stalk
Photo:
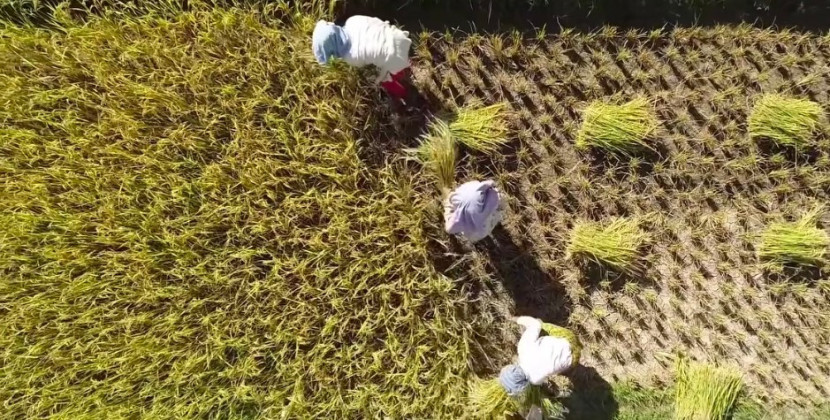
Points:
(489, 400)
(616, 243)
(532, 395)
(617, 128)
(569, 336)
(553, 409)
(437, 153)
(799, 242)
(705, 392)
(481, 129)
(786, 121)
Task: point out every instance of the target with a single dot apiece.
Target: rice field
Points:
(731, 264)
(201, 222)
(190, 230)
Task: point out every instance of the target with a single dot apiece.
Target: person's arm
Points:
(451, 224)
(533, 327)
(491, 197)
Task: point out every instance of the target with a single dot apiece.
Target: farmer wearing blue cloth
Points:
(364, 41)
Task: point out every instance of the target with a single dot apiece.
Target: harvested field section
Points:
(704, 193)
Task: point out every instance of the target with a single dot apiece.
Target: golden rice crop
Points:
(799, 242)
(489, 400)
(189, 231)
(437, 152)
(481, 129)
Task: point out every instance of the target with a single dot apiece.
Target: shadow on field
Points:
(640, 163)
(791, 274)
(807, 155)
(534, 291)
(597, 276)
(592, 397)
(394, 129)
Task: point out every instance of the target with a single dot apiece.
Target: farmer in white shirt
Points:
(540, 357)
(363, 41)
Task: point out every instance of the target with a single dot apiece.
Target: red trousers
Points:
(395, 87)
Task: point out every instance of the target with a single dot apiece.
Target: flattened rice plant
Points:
(481, 129)
(704, 392)
(616, 243)
(799, 242)
(787, 121)
(617, 128)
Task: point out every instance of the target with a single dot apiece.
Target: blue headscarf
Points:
(328, 41)
(513, 379)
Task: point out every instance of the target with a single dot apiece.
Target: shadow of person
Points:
(597, 276)
(534, 292)
(391, 125)
(592, 397)
(388, 127)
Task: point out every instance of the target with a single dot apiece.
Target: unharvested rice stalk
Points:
(489, 400)
(481, 129)
(799, 242)
(705, 392)
(190, 232)
(437, 153)
(616, 243)
(617, 128)
(787, 121)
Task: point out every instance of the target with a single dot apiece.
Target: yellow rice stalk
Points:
(617, 128)
(489, 400)
(799, 242)
(786, 121)
(481, 129)
(616, 243)
(705, 392)
(437, 153)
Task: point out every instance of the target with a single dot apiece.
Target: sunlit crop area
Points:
(199, 221)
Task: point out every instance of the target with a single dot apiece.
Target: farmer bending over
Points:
(472, 210)
(363, 41)
(539, 357)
